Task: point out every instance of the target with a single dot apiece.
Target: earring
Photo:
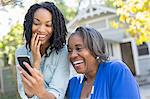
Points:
(97, 58)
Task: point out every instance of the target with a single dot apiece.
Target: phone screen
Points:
(22, 59)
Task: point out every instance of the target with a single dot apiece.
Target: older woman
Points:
(101, 79)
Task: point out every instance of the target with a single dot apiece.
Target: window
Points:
(143, 49)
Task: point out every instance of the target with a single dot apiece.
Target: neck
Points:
(91, 74)
(43, 48)
(90, 78)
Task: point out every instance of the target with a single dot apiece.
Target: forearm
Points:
(36, 65)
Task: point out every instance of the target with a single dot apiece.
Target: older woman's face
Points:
(42, 25)
(80, 57)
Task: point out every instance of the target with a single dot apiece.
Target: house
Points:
(119, 44)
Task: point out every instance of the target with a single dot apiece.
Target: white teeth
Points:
(77, 62)
(42, 36)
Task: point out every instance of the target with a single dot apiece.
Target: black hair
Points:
(58, 38)
(93, 40)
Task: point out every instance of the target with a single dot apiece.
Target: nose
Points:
(73, 54)
(41, 28)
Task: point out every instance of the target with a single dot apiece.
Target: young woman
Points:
(45, 34)
(101, 79)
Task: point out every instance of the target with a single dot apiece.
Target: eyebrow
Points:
(78, 45)
(39, 20)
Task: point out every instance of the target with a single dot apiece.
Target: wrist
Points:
(46, 95)
(36, 65)
(43, 95)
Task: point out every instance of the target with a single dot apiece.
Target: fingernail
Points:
(24, 63)
(17, 66)
(20, 72)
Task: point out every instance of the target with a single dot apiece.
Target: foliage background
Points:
(135, 14)
(14, 38)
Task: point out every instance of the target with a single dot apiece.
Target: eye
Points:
(69, 50)
(79, 49)
(49, 25)
(36, 23)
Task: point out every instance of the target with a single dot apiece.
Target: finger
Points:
(36, 41)
(24, 73)
(25, 80)
(35, 73)
(19, 68)
(38, 46)
(38, 72)
(29, 68)
(36, 77)
(33, 39)
(29, 80)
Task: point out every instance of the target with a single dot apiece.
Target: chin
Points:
(43, 42)
(80, 72)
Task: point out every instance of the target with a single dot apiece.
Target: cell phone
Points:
(24, 58)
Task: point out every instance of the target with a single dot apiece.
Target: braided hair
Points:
(58, 38)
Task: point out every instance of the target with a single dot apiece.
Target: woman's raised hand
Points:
(35, 48)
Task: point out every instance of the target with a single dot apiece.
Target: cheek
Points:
(49, 35)
(88, 58)
(50, 31)
(34, 29)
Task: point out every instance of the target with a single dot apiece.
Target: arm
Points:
(123, 83)
(33, 85)
(20, 51)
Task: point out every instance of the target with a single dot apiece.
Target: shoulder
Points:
(116, 65)
(63, 50)
(115, 68)
(58, 58)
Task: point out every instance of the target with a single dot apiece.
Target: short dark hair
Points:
(58, 38)
(93, 41)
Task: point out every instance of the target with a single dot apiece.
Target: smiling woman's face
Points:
(79, 55)
(42, 25)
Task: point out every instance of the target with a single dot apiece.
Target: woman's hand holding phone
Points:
(35, 48)
(33, 85)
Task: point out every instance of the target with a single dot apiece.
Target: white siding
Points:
(113, 50)
(144, 64)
